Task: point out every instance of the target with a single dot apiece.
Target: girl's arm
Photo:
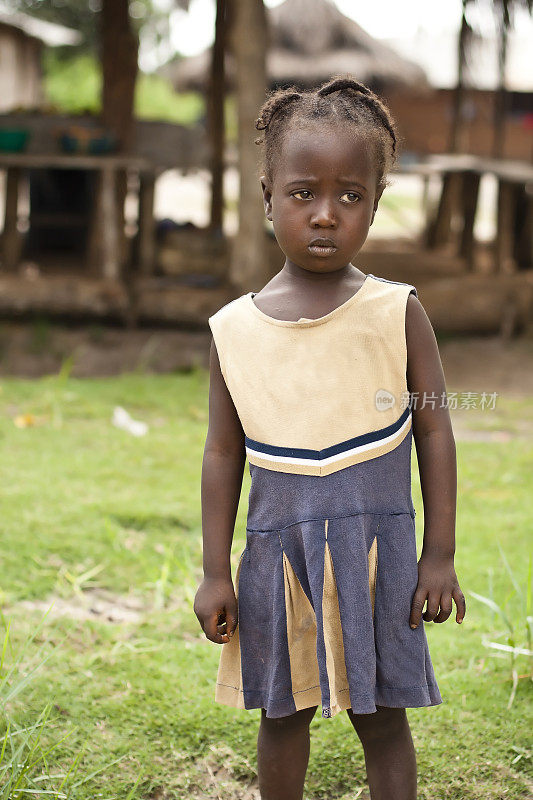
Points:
(435, 448)
(215, 603)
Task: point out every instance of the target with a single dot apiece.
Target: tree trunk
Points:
(215, 101)
(119, 48)
(500, 96)
(119, 54)
(458, 95)
(249, 43)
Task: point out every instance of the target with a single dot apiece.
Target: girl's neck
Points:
(292, 272)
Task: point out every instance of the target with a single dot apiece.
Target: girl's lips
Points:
(321, 250)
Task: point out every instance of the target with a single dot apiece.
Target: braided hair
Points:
(341, 98)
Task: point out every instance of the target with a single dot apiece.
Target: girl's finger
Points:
(445, 608)
(432, 608)
(460, 602)
(211, 625)
(417, 604)
(231, 618)
(218, 638)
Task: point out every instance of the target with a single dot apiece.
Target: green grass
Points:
(86, 507)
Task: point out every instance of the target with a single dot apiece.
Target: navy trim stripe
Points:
(398, 283)
(336, 449)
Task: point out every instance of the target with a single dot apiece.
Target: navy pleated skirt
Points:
(324, 588)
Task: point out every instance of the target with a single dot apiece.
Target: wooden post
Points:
(147, 248)
(11, 240)
(469, 200)
(109, 225)
(425, 194)
(249, 265)
(215, 108)
(525, 231)
(439, 230)
(505, 228)
(119, 49)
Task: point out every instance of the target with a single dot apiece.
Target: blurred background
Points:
(129, 186)
(131, 211)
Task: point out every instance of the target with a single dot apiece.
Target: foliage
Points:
(156, 99)
(73, 86)
(79, 15)
(518, 626)
(151, 19)
(504, 15)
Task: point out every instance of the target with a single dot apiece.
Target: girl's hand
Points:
(437, 582)
(215, 605)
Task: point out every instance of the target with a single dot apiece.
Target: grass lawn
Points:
(96, 518)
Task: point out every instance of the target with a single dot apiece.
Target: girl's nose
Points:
(324, 215)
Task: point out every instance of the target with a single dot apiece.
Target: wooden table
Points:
(460, 178)
(106, 234)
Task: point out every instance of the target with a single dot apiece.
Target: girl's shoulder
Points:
(233, 310)
(412, 288)
(388, 299)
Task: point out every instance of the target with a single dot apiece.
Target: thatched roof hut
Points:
(311, 40)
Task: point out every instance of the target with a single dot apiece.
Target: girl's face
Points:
(323, 196)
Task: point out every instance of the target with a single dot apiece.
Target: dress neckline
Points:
(304, 322)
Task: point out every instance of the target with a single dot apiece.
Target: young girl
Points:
(321, 379)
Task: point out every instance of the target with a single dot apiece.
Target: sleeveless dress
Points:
(325, 582)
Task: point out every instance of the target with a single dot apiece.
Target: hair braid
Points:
(276, 102)
(365, 96)
(338, 84)
(341, 98)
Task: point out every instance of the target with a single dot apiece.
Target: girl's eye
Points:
(352, 197)
(305, 192)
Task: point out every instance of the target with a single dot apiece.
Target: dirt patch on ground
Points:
(91, 604)
(488, 363)
(38, 348)
(214, 777)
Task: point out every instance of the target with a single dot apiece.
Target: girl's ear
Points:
(267, 197)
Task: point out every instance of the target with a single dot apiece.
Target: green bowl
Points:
(13, 140)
